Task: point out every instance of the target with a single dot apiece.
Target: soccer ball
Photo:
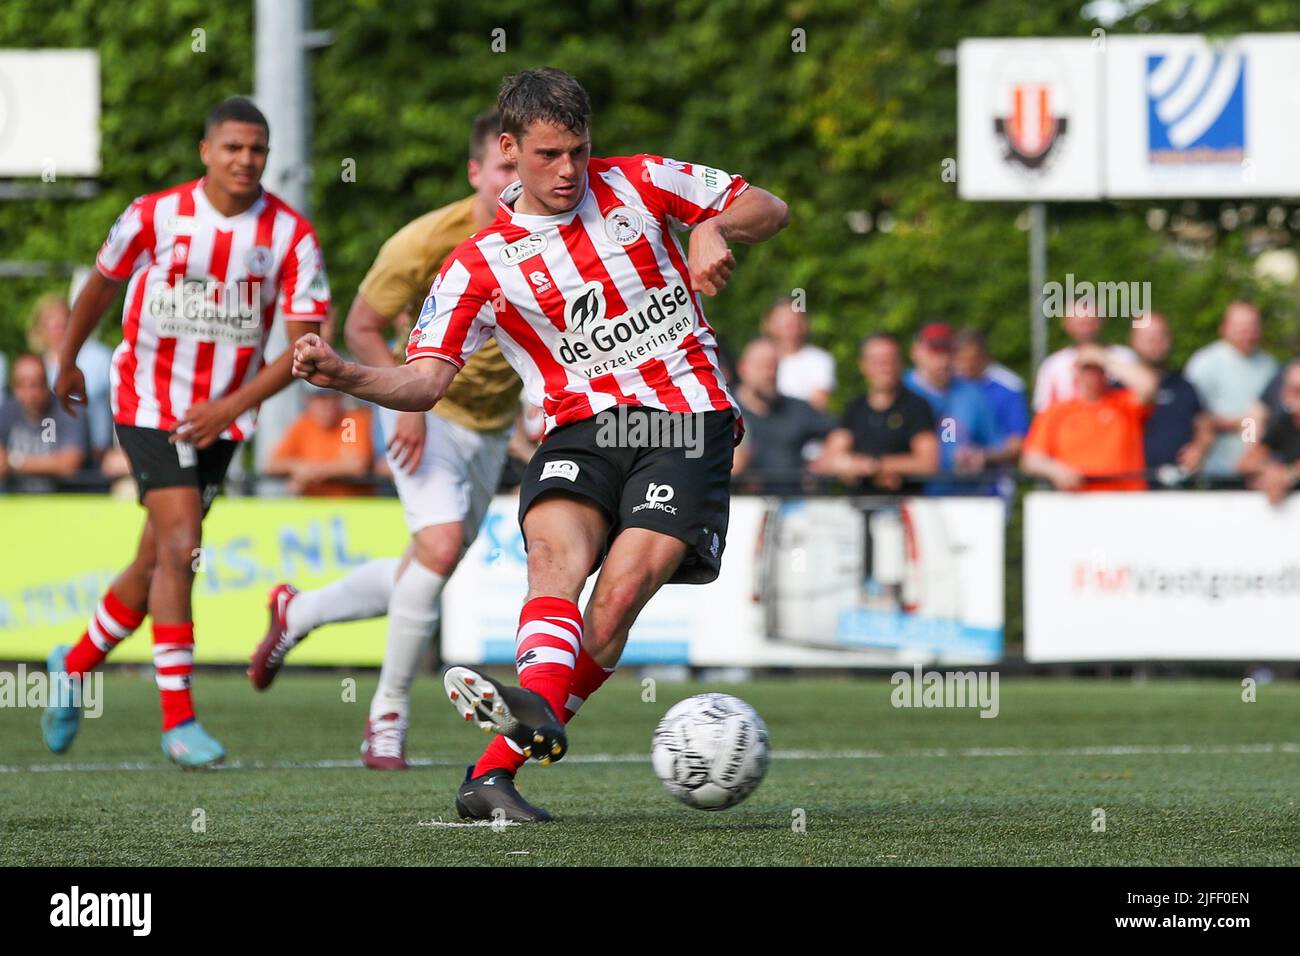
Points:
(710, 751)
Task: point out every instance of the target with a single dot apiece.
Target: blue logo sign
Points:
(1196, 107)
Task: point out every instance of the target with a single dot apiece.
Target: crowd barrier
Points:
(811, 581)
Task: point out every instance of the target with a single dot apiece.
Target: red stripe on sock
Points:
(127, 617)
(86, 655)
(551, 679)
(177, 705)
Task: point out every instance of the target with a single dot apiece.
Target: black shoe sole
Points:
(521, 715)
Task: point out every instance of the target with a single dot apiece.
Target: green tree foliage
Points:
(846, 108)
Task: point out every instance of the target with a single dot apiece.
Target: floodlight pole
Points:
(1037, 279)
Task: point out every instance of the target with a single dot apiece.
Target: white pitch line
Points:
(1124, 750)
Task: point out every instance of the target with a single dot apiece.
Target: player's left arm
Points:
(752, 217)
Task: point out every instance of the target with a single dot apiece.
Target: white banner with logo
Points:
(804, 583)
(1129, 117)
(1187, 116)
(1160, 576)
(1029, 114)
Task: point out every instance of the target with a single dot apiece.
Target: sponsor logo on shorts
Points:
(624, 225)
(185, 455)
(657, 498)
(560, 468)
(715, 545)
(533, 244)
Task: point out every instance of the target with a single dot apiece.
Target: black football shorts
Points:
(158, 463)
(665, 471)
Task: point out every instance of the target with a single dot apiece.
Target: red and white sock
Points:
(173, 661)
(111, 623)
(547, 647)
(588, 676)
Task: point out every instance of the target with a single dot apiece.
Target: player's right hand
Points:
(70, 387)
(316, 362)
(407, 444)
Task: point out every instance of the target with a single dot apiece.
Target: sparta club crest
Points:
(1031, 121)
(624, 225)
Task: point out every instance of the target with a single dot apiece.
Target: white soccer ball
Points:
(710, 751)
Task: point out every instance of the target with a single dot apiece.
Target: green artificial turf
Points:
(1186, 772)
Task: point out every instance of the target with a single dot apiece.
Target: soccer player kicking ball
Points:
(446, 463)
(584, 286)
(210, 263)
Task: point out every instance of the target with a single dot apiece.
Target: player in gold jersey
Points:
(446, 463)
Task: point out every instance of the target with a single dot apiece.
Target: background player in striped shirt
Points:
(582, 282)
(210, 264)
(446, 463)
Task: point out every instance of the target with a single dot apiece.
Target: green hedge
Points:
(861, 121)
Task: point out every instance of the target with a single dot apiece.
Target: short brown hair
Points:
(548, 95)
(486, 126)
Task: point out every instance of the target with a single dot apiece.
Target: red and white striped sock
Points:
(111, 623)
(173, 661)
(588, 676)
(546, 651)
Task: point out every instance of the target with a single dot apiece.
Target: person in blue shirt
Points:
(968, 432)
(1002, 388)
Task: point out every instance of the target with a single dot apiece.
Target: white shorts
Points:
(457, 475)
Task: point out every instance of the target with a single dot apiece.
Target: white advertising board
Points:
(1029, 119)
(1129, 117)
(49, 113)
(804, 583)
(1161, 576)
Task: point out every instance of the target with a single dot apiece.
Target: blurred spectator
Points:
(328, 442)
(39, 441)
(1179, 432)
(1056, 380)
(968, 434)
(1003, 390)
(1099, 433)
(1272, 461)
(887, 434)
(49, 327)
(1231, 374)
(4, 380)
(805, 371)
(782, 434)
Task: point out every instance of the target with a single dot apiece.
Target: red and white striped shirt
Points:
(204, 290)
(593, 307)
